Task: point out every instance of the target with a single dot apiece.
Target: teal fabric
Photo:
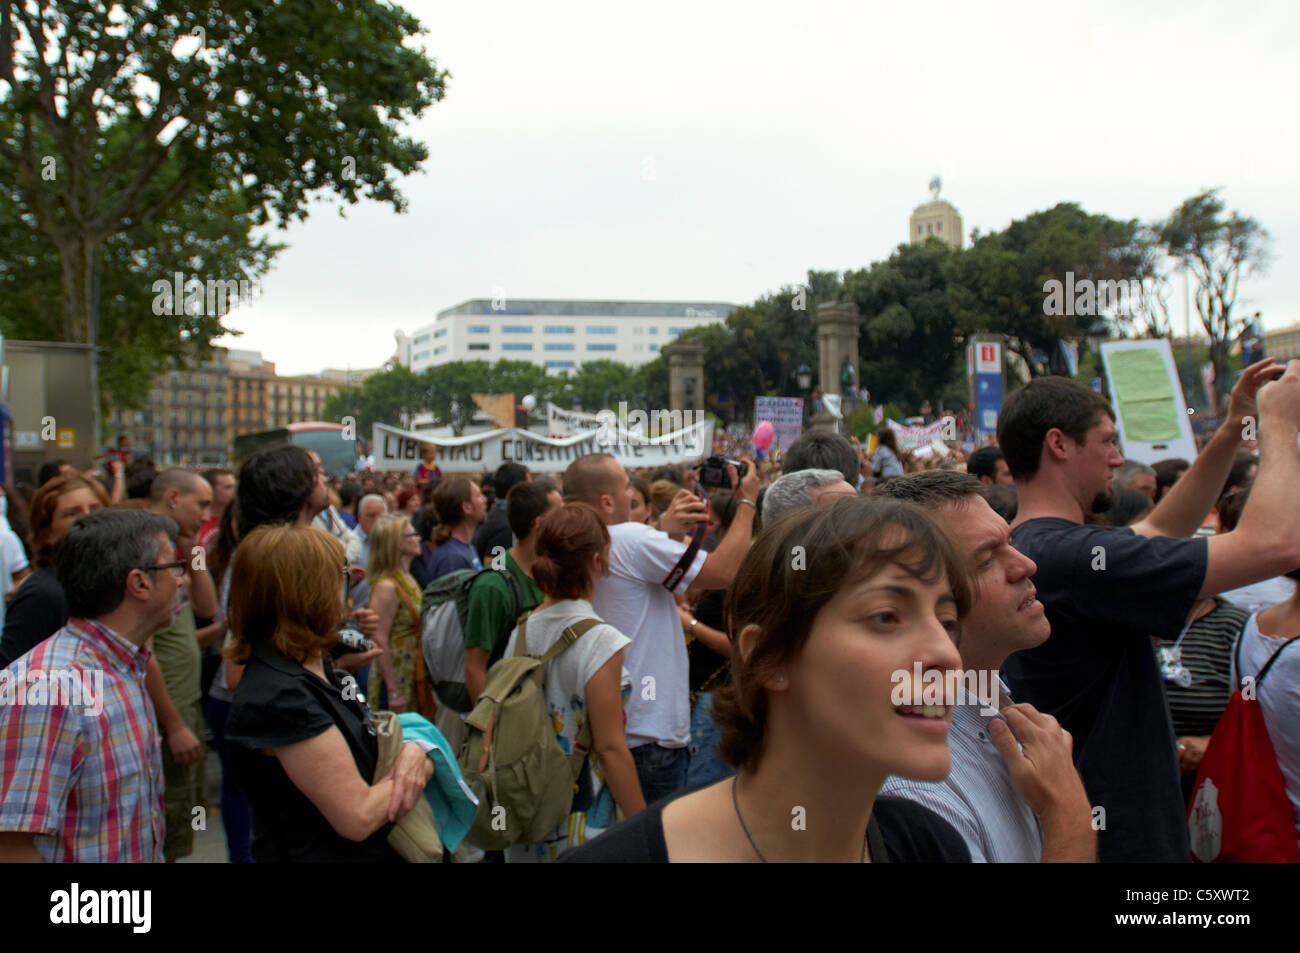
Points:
(454, 806)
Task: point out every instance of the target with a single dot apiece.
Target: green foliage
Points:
(1219, 248)
(756, 352)
(997, 284)
(205, 235)
(119, 131)
(396, 394)
(862, 422)
(601, 384)
(910, 345)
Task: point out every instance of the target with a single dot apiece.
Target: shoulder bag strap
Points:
(697, 537)
(569, 636)
(582, 743)
(513, 585)
(400, 585)
(522, 648)
(1259, 679)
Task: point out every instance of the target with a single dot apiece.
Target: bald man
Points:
(175, 670)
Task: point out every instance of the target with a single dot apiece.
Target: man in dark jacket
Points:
(495, 530)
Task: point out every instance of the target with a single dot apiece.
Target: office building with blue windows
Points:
(558, 335)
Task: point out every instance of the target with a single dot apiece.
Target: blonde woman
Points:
(395, 599)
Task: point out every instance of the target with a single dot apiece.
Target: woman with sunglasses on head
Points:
(840, 616)
(300, 740)
(395, 598)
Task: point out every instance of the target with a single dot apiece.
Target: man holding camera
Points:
(646, 568)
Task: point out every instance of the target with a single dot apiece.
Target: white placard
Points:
(1147, 451)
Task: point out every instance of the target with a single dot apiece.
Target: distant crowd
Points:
(1017, 653)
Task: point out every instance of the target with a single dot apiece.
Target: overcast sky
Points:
(717, 151)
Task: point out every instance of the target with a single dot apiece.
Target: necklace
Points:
(735, 801)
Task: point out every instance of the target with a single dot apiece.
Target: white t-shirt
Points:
(1261, 595)
(631, 597)
(12, 560)
(1279, 699)
(564, 682)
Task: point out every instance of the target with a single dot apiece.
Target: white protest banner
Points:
(913, 438)
(1150, 412)
(785, 414)
(565, 423)
(396, 449)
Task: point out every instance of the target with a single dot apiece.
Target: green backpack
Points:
(511, 758)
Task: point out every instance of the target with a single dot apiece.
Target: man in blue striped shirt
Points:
(1013, 792)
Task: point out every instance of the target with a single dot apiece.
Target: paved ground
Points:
(210, 844)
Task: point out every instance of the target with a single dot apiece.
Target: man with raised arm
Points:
(1110, 590)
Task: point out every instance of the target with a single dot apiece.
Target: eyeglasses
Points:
(178, 567)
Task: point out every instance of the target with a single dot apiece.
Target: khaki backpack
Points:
(512, 759)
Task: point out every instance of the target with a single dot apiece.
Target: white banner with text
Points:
(396, 449)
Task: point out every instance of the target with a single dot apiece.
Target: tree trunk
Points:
(78, 260)
(1219, 357)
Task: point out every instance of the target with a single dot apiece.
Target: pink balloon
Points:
(764, 433)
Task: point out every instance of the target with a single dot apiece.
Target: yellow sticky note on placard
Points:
(67, 438)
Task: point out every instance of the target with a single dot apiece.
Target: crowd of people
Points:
(740, 657)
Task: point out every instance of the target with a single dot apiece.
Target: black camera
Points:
(713, 471)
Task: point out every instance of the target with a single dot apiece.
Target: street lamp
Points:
(803, 377)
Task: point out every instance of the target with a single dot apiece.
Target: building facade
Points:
(558, 335)
(1283, 342)
(193, 416)
(938, 219)
(185, 421)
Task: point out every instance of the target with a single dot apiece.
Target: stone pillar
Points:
(685, 375)
(838, 324)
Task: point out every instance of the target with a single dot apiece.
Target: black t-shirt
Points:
(1108, 592)
(278, 703)
(704, 662)
(494, 532)
(38, 609)
(912, 834)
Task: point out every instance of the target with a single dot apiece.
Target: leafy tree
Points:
(1219, 248)
(110, 115)
(759, 349)
(207, 234)
(997, 285)
(910, 345)
(389, 397)
(602, 384)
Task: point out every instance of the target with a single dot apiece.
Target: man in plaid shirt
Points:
(80, 762)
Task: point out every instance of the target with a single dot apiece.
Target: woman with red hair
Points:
(585, 684)
(39, 607)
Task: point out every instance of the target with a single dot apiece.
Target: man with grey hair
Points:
(77, 788)
(177, 687)
(1136, 476)
(803, 488)
(369, 509)
(1013, 792)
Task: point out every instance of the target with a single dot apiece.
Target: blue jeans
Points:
(706, 764)
(236, 816)
(661, 771)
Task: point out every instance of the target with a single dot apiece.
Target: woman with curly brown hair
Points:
(840, 618)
